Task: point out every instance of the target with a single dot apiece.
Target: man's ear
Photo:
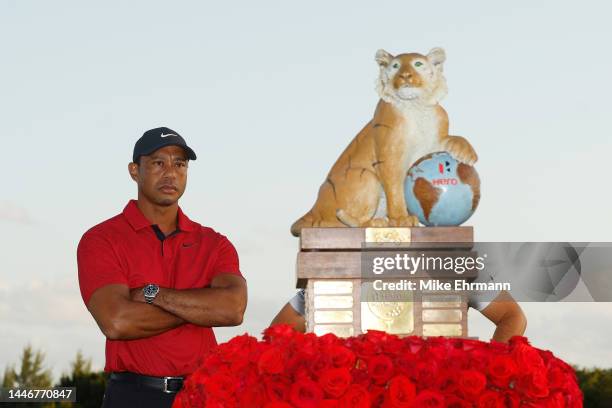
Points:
(133, 170)
(383, 58)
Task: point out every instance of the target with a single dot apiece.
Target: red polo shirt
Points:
(127, 249)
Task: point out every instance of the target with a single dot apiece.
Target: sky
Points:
(269, 93)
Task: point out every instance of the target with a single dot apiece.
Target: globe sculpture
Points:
(441, 191)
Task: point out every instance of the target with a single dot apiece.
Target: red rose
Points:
(356, 396)
(501, 370)
(180, 401)
(401, 393)
(471, 383)
(556, 400)
(271, 361)
(533, 385)
(453, 401)
(361, 376)
(277, 404)
(527, 358)
(469, 344)
(405, 364)
(377, 336)
(329, 403)
(426, 373)
(342, 357)
(479, 359)
(490, 399)
(380, 368)
(429, 399)
(363, 349)
(278, 332)
(512, 399)
(557, 378)
(252, 396)
(212, 402)
(220, 386)
(377, 394)
(516, 340)
(277, 389)
(334, 381)
(329, 339)
(414, 343)
(305, 394)
(393, 346)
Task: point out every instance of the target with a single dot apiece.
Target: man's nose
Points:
(169, 171)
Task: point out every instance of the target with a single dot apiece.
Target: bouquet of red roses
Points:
(292, 369)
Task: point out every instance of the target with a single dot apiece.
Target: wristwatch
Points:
(150, 291)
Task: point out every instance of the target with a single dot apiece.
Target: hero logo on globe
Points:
(444, 181)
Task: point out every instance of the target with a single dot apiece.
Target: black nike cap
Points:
(157, 138)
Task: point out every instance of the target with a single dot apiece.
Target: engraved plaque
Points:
(333, 287)
(449, 315)
(333, 302)
(333, 316)
(442, 330)
(337, 329)
(390, 311)
(441, 301)
(379, 235)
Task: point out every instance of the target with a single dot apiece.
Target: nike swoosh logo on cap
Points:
(168, 134)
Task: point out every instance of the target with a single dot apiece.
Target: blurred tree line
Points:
(595, 383)
(32, 373)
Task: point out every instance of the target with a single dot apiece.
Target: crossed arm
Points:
(123, 314)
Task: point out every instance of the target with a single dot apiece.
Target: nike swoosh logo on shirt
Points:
(187, 245)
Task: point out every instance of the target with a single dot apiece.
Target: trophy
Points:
(401, 170)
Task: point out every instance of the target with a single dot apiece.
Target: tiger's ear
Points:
(436, 56)
(383, 58)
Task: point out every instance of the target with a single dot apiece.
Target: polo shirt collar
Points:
(184, 223)
(138, 221)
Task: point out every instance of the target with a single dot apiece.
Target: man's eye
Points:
(396, 65)
(418, 64)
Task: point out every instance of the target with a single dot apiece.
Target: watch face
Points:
(151, 290)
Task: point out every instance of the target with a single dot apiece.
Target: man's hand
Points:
(137, 295)
(507, 316)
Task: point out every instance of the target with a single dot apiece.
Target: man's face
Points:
(162, 175)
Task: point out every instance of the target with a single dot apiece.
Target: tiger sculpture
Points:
(365, 187)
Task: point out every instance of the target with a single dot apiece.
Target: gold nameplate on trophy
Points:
(333, 287)
(333, 302)
(391, 235)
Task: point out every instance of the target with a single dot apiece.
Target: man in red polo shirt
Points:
(156, 282)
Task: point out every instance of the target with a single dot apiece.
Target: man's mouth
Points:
(168, 189)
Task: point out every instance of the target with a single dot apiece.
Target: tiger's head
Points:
(411, 79)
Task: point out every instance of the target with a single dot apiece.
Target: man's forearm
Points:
(513, 324)
(210, 307)
(135, 320)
